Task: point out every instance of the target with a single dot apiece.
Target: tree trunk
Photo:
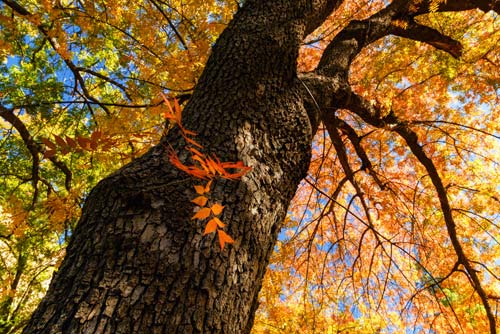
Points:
(137, 263)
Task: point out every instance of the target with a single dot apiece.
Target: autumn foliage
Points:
(204, 168)
(395, 229)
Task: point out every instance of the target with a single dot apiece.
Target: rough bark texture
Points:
(136, 262)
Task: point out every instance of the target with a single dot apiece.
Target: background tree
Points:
(396, 215)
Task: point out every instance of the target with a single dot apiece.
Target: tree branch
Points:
(368, 112)
(56, 46)
(35, 149)
(396, 19)
(170, 23)
(418, 32)
(9, 116)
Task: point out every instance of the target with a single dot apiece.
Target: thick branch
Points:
(421, 33)
(457, 6)
(411, 139)
(395, 19)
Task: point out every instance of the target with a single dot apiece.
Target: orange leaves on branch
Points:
(175, 115)
(204, 168)
(214, 224)
(65, 145)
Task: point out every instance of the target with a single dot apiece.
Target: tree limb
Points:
(35, 149)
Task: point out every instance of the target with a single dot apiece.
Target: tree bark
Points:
(137, 263)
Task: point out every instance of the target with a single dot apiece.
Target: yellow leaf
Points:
(200, 200)
(210, 227)
(224, 238)
(202, 214)
(217, 208)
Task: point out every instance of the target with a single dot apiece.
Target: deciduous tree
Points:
(396, 213)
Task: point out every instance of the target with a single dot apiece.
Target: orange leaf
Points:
(200, 200)
(200, 161)
(234, 165)
(217, 208)
(202, 214)
(210, 227)
(189, 140)
(168, 104)
(218, 221)
(200, 190)
(210, 167)
(223, 238)
(195, 151)
(215, 166)
(207, 187)
(191, 170)
(198, 173)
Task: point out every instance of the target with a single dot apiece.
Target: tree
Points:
(138, 262)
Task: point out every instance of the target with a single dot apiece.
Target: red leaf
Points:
(49, 153)
(60, 141)
(48, 143)
(95, 136)
(84, 143)
(71, 142)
